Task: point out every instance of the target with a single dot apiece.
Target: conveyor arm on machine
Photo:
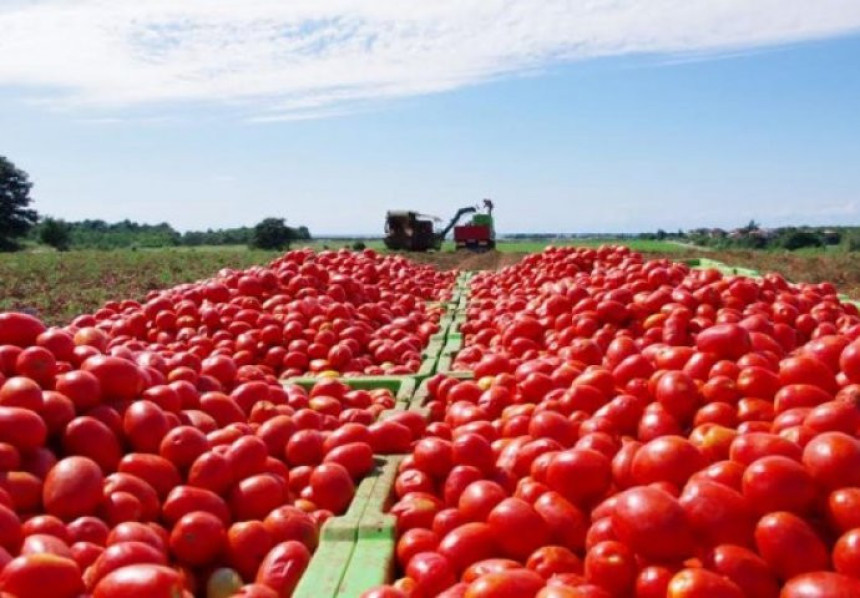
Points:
(460, 213)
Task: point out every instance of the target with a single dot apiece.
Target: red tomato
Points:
(42, 575)
(19, 329)
(846, 553)
(283, 566)
(518, 529)
(119, 379)
(789, 545)
(513, 583)
(744, 567)
(653, 524)
(432, 573)
(821, 584)
(22, 428)
(356, 457)
(580, 475)
(289, 523)
(717, 513)
(843, 508)
(833, 460)
(479, 498)
(140, 581)
(552, 560)
(779, 484)
(145, 425)
(198, 538)
(121, 555)
(248, 543)
(670, 459)
(332, 487)
(73, 488)
(612, 566)
(726, 341)
(701, 583)
(467, 544)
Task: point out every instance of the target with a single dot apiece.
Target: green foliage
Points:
(359, 246)
(98, 234)
(55, 233)
(271, 233)
(16, 219)
(798, 239)
(851, 240)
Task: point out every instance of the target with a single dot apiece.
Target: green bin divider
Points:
(372, 561)
(419, 397)
(444, 367)
(403, 387)
(453, 345)
(372, 564)
(433, 349)
(326, 571)
(345, 527)
(375, 522)
(427, 369)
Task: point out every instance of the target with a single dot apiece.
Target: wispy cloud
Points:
(293, 59)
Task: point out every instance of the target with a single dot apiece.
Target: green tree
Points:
(16, 219)
(56, 233)
(797, 239)
(271, 233)
(303, 234)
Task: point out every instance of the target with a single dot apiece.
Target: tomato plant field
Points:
(59, 286)
(575, 422)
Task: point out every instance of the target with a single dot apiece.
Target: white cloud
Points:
(288, 59)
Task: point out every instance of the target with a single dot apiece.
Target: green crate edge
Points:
(339, 536)
(371, 564)
(444, 367)
(325, 573)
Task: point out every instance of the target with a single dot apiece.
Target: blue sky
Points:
(572, 116)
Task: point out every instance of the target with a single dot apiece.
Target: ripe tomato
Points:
(820, 584)
(42, 575)
(779, 484)
(332, 487)
(653, 524)
(612, 566)
(701, 583)
(140, 581)
(517, 528)
(512, 583)
(73, 488)
(789, 545)
(467, 544)
(198, 538)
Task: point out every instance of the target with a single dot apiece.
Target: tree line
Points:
(20, 223)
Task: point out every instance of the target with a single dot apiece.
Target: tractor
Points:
(413, 231)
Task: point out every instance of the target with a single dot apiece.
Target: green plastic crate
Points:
(371, 564)
(454, 344)
(444, 367)
(326, 571)
(339, 536)
(372, 561)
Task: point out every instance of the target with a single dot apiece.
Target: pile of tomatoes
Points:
(638, 429)
(349, 313)
(154, 449)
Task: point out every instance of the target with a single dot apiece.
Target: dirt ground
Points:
(467, 260)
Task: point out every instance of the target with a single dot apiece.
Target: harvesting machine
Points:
(412, 231)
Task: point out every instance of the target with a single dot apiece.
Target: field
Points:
(59, 286)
